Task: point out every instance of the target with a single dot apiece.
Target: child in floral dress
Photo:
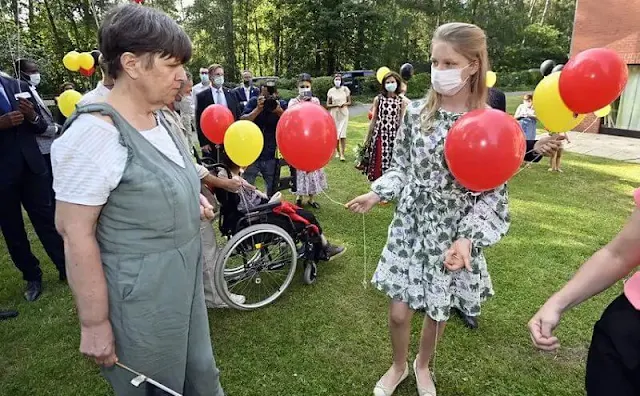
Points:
(433, 258)
(308, 183)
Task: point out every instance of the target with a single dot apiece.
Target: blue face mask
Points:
(391, 87)
(204, 78)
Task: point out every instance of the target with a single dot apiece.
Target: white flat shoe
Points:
(423, 391)
(381, 390)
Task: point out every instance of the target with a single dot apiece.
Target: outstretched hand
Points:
(363, 203)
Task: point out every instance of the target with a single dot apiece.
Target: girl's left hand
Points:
(459, 256)
(206, 209)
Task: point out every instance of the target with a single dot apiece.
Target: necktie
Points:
(5, 106)
(218, 96)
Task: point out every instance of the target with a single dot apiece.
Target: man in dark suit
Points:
(246, 91)
(24, 182)
(217, 94)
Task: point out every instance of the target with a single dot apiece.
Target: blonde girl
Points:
(433, 258)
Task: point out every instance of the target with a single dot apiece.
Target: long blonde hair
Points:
(471, 42)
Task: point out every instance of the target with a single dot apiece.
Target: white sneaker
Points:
(277, 197)
(237, 298)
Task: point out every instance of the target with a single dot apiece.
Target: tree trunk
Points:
(544, 12)
(258, 45)
(229, 38)
(359, 45)
(245, 47)
(54, 29)
(331, 59)
(276, 45)
(533, 4)
(16, 13)
(30, 8)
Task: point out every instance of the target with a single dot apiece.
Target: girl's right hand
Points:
(363, 203)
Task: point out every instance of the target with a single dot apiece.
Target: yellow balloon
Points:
(492, 77)
(86, 60)
(551, 109)
(72, 61)
(383, 71)
(603, 112)
(67, 101)
(243, 142)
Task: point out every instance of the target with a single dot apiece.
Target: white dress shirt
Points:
(218, 96)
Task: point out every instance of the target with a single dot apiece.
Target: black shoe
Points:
(34, 289)
(8, 314)
(470, 322)
(332, 252)
(314, 205)
(299, 203)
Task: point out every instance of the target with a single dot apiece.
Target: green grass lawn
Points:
(331, 338)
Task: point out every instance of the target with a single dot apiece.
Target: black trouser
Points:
(613, 365)
(33, 192)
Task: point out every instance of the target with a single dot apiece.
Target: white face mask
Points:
(337, 83)
(302, 91)
(391, 87)
(218, 81)
(34, 79)
(447, 82)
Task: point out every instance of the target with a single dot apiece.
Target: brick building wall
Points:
(612, 24)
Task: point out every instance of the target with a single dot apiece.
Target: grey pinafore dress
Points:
(149, 238)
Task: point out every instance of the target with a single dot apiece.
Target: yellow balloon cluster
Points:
(67, 101)
(75, 61)
(491, 78)
(383, 71)
(243, 142)
(551, 109)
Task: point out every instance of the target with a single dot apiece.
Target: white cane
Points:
(141, 378)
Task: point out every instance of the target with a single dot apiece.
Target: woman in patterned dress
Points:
(308, 183)
(385, 122)
(433, 258)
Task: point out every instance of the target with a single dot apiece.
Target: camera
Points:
(270, 103)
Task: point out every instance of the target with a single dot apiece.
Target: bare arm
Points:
(77, 226)
(603, 269)
(607, 266)
(348, 101)
(372, 124)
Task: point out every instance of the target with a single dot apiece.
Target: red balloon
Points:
(215, 121)
(306, 136)
(592, 79)
(370, 115)
(87, 73)
(484, 148)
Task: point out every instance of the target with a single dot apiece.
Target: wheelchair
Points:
(263, 247)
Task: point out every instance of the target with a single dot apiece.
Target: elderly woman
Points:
(129, 211)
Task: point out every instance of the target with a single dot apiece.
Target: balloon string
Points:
(365, 271)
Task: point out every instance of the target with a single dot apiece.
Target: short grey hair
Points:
(140, 30)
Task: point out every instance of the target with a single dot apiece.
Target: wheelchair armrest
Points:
(268, 207)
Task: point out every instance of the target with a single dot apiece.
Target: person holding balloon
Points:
(308, 183)
(265, 111)
(388, 108)
(433, 258)
(338, 102)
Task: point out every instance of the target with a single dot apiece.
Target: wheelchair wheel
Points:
(258, 263)
(310, 273)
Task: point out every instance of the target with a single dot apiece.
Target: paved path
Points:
(595, 144)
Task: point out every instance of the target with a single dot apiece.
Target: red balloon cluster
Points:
(215, 121)
(484, 148)
(592, 79)
(306, 136)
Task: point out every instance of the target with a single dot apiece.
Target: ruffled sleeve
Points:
(488, 220)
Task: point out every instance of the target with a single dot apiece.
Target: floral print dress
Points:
(434, 210)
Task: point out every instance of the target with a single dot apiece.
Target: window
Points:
(625, 111)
